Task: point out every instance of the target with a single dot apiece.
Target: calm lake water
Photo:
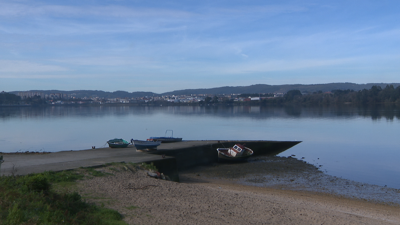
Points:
(360, 144)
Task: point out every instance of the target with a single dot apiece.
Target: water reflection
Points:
(255, 112)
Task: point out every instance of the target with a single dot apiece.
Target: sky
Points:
(161, 45)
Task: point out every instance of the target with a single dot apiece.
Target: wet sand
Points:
(293, 174)
(218, 195)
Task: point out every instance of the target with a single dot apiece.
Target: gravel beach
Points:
(239, 194)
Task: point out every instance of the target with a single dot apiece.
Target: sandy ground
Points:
(217, 195)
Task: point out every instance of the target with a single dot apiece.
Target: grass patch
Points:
(62, 187)
(114, 169)
(63, 176)
(51, 197)
(31, 199)
(132, 207)
(149, 166)
(113, 164)
(95, 173)
(95, 197)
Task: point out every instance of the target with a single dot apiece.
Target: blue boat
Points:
(166, 139)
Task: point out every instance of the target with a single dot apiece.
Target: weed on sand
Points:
(95, 173)
(147, 166)
(133, 207)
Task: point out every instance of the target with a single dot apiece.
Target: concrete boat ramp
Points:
(168, 158)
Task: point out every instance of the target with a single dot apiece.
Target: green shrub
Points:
(37, 183)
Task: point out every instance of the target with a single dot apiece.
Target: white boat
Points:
(236, 153)
(141, 145)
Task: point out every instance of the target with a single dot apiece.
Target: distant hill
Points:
(252, 89)
(265, 88)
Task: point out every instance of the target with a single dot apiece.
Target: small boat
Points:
(117, 143)
(166, 139)
(236, 153)
(148, 145)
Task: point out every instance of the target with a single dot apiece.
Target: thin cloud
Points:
(282, 65)
(27, 10)
(105, 61)
(16, 66)
(263, 9)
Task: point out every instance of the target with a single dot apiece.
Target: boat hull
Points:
(165, 139)
(117, 143)
(142, 145)
(232, 159)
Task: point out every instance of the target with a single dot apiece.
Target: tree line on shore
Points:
(12, 99)
(373, 96)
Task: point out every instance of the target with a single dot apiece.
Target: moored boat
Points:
(117, 143)
(142, 145)
(236, 153)
(166, 139)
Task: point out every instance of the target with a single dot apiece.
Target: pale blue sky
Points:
(162, 45)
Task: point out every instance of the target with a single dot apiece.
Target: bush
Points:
(38, 183)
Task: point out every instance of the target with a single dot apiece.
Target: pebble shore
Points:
(234, 194)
